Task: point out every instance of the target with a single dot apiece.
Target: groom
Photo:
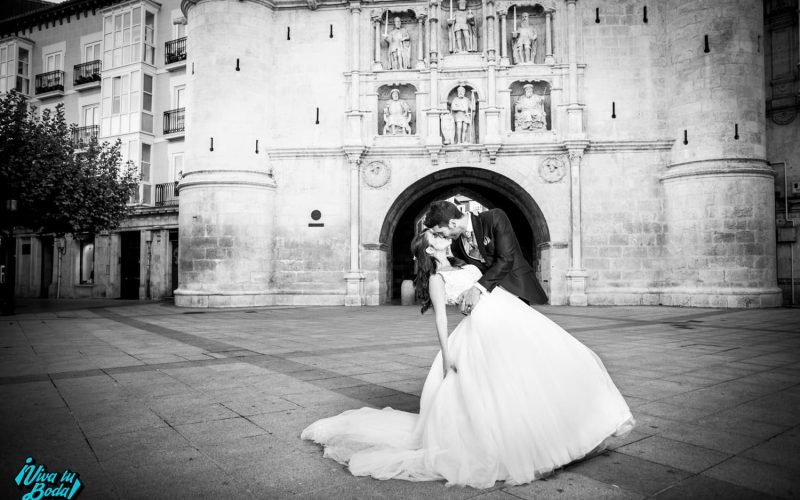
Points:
(487, 241)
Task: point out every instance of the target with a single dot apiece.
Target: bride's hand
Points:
(447, 367)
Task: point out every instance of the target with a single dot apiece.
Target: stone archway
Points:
(487, 187)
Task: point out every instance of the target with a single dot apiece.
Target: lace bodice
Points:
(458, 281)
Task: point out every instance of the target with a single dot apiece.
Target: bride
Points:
(510, 397)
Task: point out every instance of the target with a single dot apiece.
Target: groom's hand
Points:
(469, 300)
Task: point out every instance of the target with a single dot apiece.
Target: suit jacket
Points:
(504, 264)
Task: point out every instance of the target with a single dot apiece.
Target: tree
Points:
(60, 187)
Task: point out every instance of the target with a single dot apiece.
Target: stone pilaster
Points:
(576, 275)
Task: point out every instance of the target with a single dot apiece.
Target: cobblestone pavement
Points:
(145, 400)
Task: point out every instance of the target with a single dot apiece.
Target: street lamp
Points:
(11, 260)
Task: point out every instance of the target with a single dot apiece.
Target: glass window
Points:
(177, 166)
(91, 52)
(90, 115)
(87, 262)
(116, 89)
(147, 93)
(145, 162)
(23, 83)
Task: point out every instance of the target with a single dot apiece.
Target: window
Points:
(145, 162)
(116, 94)
(180, 93)
(23, 83)
(149, 38)
(91, 52)
(87, 262)
(121, 38)
(91, 115)
(179, 30)
(15, 67)
(5, 69)
(52, 62)
(147, 104)
(177, 166)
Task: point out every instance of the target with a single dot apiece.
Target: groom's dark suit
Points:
(504, 264)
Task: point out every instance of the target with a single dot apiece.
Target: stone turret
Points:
(719, 200)
(227, 192)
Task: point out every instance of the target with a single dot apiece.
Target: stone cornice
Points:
(719, 166)
(628, 146)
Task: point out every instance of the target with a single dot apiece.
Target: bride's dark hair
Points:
(426, 267)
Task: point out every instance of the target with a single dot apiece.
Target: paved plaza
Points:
(146, 400)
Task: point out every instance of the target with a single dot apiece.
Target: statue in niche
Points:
(396, 116)
(462, 109)
(529, 111)
(399, 42)
(462, 29)
(448, 128)
(524, 38)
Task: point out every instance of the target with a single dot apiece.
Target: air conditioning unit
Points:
(796, 188)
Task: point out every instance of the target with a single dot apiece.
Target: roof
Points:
(28, 14)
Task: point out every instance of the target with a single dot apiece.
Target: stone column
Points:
(503, 34)
(355, 114)
(433, 141)
(574, 109)
(376, 19)
(719, 190)
(225, 252)
(491, 38)
(354, 278)
(548, 37)
(355, 79)
(576, 275)
(420, 41)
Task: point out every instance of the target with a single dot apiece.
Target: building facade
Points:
(288, 149)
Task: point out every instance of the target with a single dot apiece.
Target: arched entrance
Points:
(484, 186)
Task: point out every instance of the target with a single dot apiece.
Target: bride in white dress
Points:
(510, 397)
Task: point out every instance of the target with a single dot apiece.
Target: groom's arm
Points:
(503, 249)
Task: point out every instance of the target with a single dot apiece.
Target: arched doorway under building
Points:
(486, 187)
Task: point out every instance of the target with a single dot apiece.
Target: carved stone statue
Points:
(524, 38)
(399, 46)
(529, 111)
(463, 110)
(462, 29)
(396, 116)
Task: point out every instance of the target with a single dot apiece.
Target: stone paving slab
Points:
(145, 400)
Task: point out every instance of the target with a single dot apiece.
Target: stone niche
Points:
(530, 106)
(399, 39)
(397, 113)
(460, 109)
(527, 37)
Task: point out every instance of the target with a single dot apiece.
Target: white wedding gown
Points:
(527, 398)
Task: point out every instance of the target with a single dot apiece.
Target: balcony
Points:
(50, 84)
(174, 120)
(175, 54)
(167, 194)
(87, 75)
(82, 136)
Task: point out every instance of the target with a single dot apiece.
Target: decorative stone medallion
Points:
(377, 174)
(552, 169)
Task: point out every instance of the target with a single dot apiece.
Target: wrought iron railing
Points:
(87, 72)
(175, 50)
(167, 194)
(50, 81)
(174, 120)
(84, 135)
